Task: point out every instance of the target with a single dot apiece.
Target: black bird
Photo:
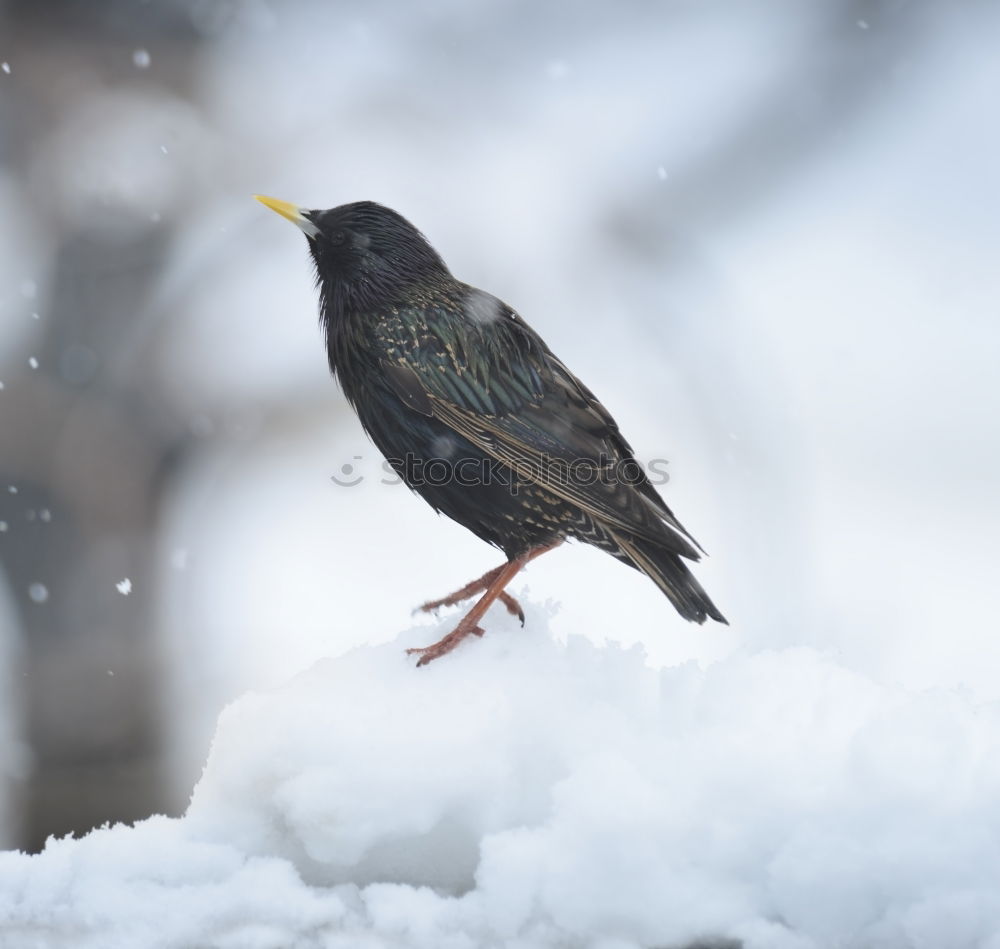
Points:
(478, 416)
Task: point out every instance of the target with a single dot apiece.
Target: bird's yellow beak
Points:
(290, 211)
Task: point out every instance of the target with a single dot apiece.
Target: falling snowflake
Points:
(38, 592)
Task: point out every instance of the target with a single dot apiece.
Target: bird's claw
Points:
(431, 606)
(513, 607)
(443, 646)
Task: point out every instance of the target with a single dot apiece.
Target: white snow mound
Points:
(528, 793)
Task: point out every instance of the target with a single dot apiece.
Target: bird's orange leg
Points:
(482, 584)
(494, 582)
(471, 589)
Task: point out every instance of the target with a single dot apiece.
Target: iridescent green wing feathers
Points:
(465, 359)
(479, 369)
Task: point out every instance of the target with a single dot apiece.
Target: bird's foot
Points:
(444, 645)
(492, 584)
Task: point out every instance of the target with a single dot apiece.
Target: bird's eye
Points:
(338, 237)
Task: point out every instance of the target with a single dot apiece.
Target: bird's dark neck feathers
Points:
(349, 314)
(344, 317)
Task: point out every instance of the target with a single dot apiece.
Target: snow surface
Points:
(524, 792)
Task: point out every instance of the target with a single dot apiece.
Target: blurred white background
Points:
(765, 233)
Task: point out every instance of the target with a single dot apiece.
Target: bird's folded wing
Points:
(501, 388)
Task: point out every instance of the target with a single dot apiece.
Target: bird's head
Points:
(365, 254)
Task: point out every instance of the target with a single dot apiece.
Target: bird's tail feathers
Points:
(672, 576)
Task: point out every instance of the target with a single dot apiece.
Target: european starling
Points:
(478, 416)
